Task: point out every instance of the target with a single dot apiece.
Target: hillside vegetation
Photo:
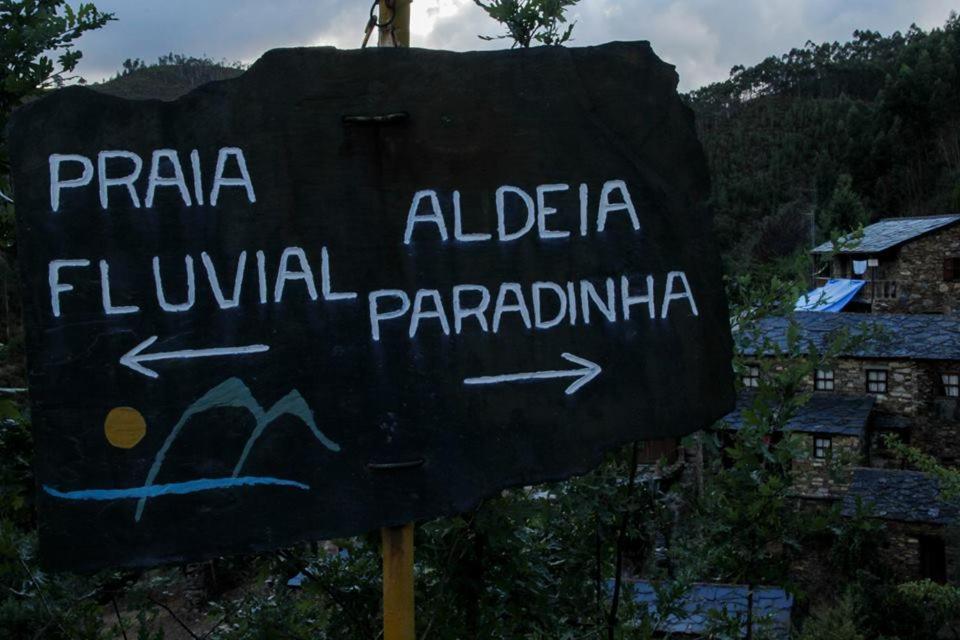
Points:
(170, 77)
(834, 133)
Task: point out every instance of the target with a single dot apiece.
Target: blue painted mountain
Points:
(231, 393)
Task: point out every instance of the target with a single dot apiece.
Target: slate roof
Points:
(889, 233)
(771, 608)
(891, 422)
(905, 496)
(895, 336)
(827, 413)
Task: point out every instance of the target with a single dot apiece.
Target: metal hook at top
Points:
(374, 23)
(393, 14)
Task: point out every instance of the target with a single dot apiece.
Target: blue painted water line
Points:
(173, 488)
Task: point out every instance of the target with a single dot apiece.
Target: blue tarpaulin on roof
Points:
(831, 297)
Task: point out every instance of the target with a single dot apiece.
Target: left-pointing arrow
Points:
(588, 371)
(135, 356)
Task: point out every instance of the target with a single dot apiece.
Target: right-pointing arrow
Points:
(588, 371)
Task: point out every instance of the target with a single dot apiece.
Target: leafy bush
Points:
(839, 622)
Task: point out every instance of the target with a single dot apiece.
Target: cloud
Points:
(702, 38)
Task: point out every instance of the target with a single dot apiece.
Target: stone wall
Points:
(937, 438)
(829, 477)
(905, 391)
(902, 552)
(914, 391)
(936, 431)
(918, 270)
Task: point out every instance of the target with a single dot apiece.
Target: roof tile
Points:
(771, 607)
(905, 496)
(889, 233)
(893, 336)
(827, 413)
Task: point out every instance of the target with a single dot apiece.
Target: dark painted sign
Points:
(317, 299)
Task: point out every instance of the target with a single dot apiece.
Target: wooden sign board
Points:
(317, 299)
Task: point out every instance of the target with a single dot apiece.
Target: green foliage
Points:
(940, 603)
(35, 30)
(33, 604)
(280, 613)
(536, 564)
(908, 611)
(170, 77)
(652, 623)
(132, 65)
(844, 211)
(949, 477)
(746, 527)
(746, 530)
(529, 21)
(839, 622)
(530, 563)
(16, 474)
(345, 579)
(780, 135)
(37, 49)
(145, 629)
(857, 544)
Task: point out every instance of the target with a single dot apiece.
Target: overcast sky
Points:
(703, 38)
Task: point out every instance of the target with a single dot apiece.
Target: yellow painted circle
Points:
(124, 427)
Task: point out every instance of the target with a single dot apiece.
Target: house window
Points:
(933, 559)
(876, 381)
(751, 378)
(821, 447)
(824, 380)
(951, 269)
(951, 384)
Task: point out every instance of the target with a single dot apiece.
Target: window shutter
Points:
(950, 269)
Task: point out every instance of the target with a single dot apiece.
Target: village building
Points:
(754, 612)
(909, 365)
(834, 429)
(900, 265)
(916, 517)
(895, 373)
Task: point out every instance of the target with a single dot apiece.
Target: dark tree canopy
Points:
(37, 48)
(37, 52)
(878, 109)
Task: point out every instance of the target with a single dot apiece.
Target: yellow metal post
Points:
(397, 543)
(395, 16)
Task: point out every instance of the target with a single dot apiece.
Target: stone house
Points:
(834, 431)
(896, 374)
(906, 265)
(917, 520)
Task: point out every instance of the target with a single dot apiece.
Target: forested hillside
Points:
(839, 133)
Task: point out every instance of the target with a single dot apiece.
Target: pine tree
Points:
(844, 212)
